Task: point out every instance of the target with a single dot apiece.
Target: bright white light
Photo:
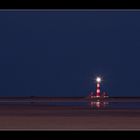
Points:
(98, 79)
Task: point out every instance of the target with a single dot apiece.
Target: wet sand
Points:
(68, 123)
(44, 117)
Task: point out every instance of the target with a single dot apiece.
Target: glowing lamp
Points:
(98, 80)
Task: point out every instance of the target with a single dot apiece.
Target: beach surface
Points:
(43, 117)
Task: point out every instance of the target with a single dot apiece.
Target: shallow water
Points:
(132, 104)
(109, 105)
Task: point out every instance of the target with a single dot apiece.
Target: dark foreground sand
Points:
(38, 117)
(68, 123)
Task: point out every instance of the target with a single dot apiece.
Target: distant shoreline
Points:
(64, 96)
(65, 99)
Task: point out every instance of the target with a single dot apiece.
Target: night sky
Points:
(59, 53)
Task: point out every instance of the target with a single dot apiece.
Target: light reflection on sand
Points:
(70, 115)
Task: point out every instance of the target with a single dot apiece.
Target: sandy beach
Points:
(43, 117)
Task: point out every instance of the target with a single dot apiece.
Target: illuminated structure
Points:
(98, 90)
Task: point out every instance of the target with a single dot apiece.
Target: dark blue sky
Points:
(58, 53)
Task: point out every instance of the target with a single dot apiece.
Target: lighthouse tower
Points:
(98, 94)
(98, 90)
